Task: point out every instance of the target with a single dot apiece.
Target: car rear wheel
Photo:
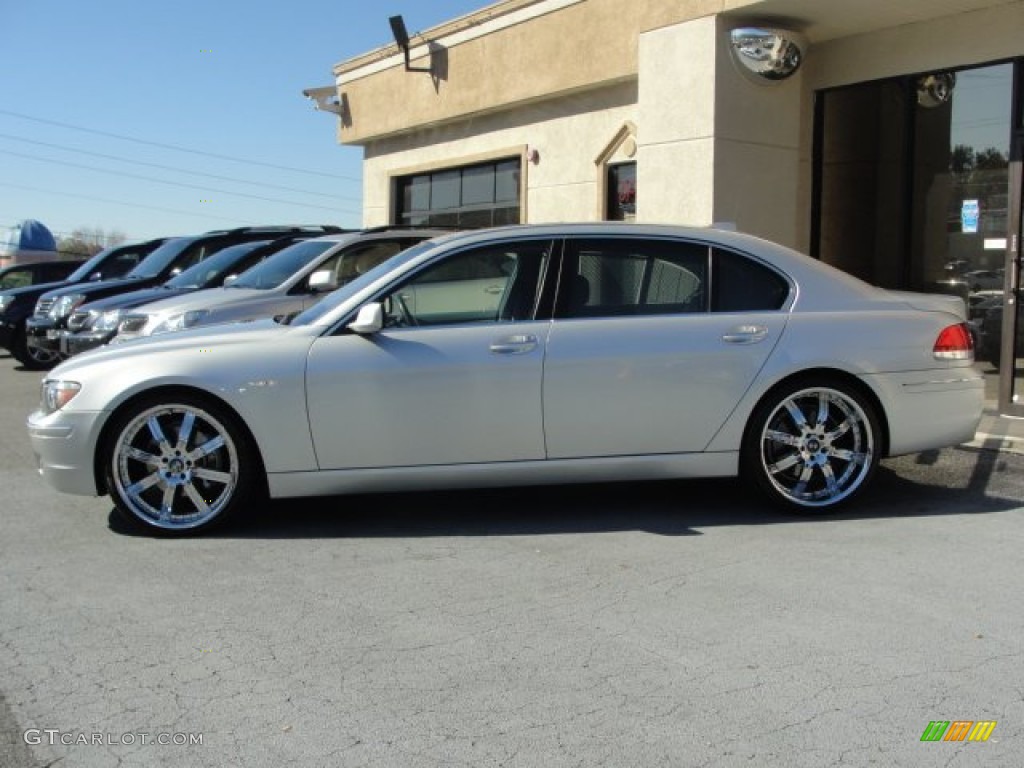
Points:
(179, 465)
(813, 445)
(33, 358)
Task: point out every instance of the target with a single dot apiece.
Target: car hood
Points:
(200, 339)
(136, 298)
(101, 287)
(209, 298)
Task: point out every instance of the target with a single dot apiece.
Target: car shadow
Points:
(922, 485)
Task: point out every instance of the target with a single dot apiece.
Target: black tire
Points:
(32, 358)
(207, 475)
(812, 445)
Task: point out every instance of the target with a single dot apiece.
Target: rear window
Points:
(740, 284)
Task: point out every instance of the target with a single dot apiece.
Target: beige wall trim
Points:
(627, 131)
(487, 21)
(516, 151)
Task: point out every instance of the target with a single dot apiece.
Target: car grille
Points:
(77, 321)
(43, 307)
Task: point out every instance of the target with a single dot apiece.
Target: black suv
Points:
(46, 330)
(17, 304)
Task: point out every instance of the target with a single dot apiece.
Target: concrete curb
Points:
(1003, 443)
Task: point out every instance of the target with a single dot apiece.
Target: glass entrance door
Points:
(1011, 380)
(918, 187)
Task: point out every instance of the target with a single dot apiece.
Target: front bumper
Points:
(75, 343)
(64, 445)
(43, 332)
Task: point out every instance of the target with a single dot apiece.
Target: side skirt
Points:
(547, 472)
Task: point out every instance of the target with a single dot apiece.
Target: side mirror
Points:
(369, 320)
(229, 279)
(322, 281)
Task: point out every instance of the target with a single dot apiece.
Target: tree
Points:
(88, 241)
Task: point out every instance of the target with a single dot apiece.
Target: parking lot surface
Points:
(657, 624)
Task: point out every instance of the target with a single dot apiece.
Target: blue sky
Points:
(223, 78)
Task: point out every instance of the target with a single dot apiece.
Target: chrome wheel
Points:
(815, 447)
(175, 467)
(41, 357)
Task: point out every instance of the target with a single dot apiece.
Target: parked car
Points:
(285, 284)
(985, 279)
(47, 328)
(33, 273)
(18, 304)
(524, 355)
(95, 324)
(990, 331)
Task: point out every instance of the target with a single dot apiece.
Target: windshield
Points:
(282, 265)
(158, 260)
(347, 291)
(212, 269)
(89, 267)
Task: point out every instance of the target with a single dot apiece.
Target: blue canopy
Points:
(29, 235)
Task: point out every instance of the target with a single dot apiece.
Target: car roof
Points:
(359, 234)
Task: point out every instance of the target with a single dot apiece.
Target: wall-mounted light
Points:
(935, 90)
(533, 155)
(402, 40)
(766, 54)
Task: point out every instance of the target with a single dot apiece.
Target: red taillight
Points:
(954, 343)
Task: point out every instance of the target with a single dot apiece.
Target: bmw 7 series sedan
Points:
(526, 355)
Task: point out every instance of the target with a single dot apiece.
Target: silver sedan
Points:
(524, 355)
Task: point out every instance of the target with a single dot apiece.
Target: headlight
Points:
(181, 321)
(133, 324)
(107, 321)
(57, 393)
(65, 305)
(5, 302)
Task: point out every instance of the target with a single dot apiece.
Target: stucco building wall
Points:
(566, 77)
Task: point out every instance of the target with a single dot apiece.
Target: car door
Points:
(456, 380)
(653, 344)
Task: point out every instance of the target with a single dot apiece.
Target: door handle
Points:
(493, 289)
(514, 345)
(746, 334)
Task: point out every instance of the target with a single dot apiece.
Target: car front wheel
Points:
(813, 445)
(179, 465)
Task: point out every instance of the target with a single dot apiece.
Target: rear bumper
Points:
(930, 409)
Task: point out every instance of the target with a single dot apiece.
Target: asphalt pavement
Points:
(653, 624)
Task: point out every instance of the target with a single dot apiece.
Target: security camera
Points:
(326, 98)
